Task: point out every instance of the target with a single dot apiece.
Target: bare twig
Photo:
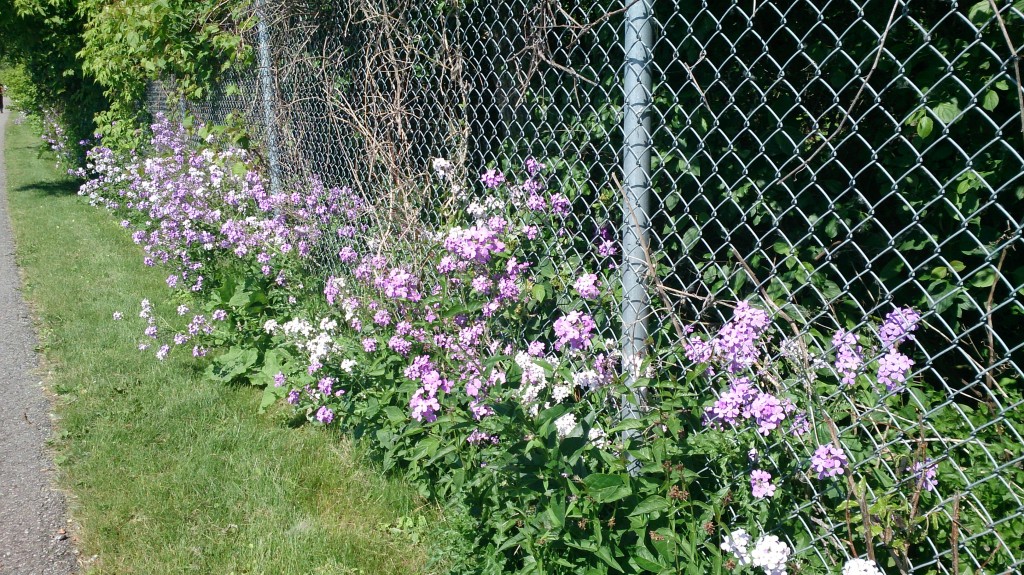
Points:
(988, 314)
(1015, 56)
(954, 534)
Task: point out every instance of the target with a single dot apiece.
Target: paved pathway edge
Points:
(32, 510)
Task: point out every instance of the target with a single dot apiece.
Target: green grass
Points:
(166, 472)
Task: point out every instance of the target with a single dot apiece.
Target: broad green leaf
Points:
(946, 112)
(991, 100)
(924, 127)
(650, 505)
(538, 292)
(606, 488)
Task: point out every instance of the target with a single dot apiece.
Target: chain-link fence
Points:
(829, 160)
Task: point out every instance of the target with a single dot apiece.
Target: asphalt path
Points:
(33, 515)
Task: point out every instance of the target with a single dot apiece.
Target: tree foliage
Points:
(90, 60)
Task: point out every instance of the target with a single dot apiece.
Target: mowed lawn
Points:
(166, 472)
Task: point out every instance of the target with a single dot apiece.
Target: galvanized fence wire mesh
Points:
(827, 160)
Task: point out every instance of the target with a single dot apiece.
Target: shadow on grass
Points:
(62, 188)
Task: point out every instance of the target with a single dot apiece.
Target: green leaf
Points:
(946, 112)
(606, 488)
(233, 363)
(991, 100)
(605, 554)
(645, 559)
(652, 504)
(983, 279)
(924, 127)
(539, 293)
(271, 395)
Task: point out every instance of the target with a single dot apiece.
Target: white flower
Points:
(477, 210)
(443, 167)
(270, 325)
(588, 379)
(771, 554)
(738, 543)
(533, 374)
(565, 424)
(347, 365)
(861, 567)
(560, 392)
(328, 324)
(598, 437)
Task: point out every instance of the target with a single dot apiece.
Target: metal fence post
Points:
(636, 171)
(267, 95)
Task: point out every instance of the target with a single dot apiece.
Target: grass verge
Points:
(168, 473)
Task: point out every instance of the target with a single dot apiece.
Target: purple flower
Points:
(369, 345)
(698, 351)
(892, 370)
(332, 289)
(293, 397)
(560, 205)
(324, 415)
(732, 404)
(898, 326)
(737, 340)
(382, 318)
(279, 379)
(478, 437)
(587, 286)
(574, 330)
(325, 385)
(492, 178)
(400, 344)
(424, 406)
(161, 353)
(400, 284)
(924, 474)
(848, 355)
(219, 315)
(536, 202)
(347, 255)
(481, 284)
(801, 424)
(761, 484)
(828, 461)
(474, 244)
(768, 412)
(607, 248)
(533, 166)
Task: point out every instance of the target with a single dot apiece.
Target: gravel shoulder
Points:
(33, 512)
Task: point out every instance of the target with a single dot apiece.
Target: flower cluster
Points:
(743, 401)
(898, 327)
(736, 346)
(769, 552)
(828, 460)
(849, 355)
(191, 208)
(574, 330)
(861, 567)
(761, 485)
